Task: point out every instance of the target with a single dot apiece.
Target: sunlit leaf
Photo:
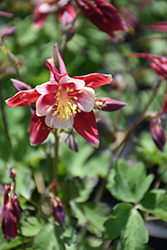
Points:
(134, 236)
(116, 224)
(32, 226)
(129, 183)
(50, 237)
(155, 202)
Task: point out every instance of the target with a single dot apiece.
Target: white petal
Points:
(42, 89)
(54, 122)
(86, 100)
(47, 8)
(66, 79)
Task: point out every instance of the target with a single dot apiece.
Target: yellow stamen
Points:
(47, 106)
(64, 106)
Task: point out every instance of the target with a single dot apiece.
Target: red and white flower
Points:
(62, 102)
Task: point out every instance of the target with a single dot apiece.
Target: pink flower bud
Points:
(58, 210)
(157, 133)
(108, 104)
(7, 31)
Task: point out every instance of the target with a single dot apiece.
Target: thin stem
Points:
(101, 189)
(56, 148)
(140, 118)
(4, 118)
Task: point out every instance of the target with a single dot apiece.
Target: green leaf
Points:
(32, 226)
(128, 183)
(134, 236)
(50, 238)
(93, 214)
(25, 183)
(155, 202)
(70, 235)
(78, 213)
(116, 224)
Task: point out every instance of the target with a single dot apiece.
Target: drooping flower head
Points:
(62, 102)
(159, 64)
(102, 14)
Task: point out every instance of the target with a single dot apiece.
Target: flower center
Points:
(65, 106)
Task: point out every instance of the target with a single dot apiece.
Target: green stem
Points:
(56, 148)
(141, 117)
(4, 118)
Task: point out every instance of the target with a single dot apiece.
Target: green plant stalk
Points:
(140, 118)
(4, 118)
(130, 132)
(56, 155)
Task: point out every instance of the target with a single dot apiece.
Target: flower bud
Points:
(108, 104)
(12, 173)
(157, 133)
(10, 215)
(58, 210)
(7, 31)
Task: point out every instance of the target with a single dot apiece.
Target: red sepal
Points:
(39, 131)
(85, 125)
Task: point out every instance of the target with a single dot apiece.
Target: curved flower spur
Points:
(62, 102)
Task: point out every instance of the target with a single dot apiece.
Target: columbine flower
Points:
(66, 12)
(157, 133)
(10, 215)
(62, 102)
(102, 14)
(158, 63)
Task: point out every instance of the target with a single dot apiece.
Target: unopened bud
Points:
(158, 133)
(7, 31)
(58, 210)
(10, 215)
(12, 173)
(108, 104)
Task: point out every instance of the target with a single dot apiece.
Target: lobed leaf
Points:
(49, 238)
(134, 236)
(116, 224)
(129, 183)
